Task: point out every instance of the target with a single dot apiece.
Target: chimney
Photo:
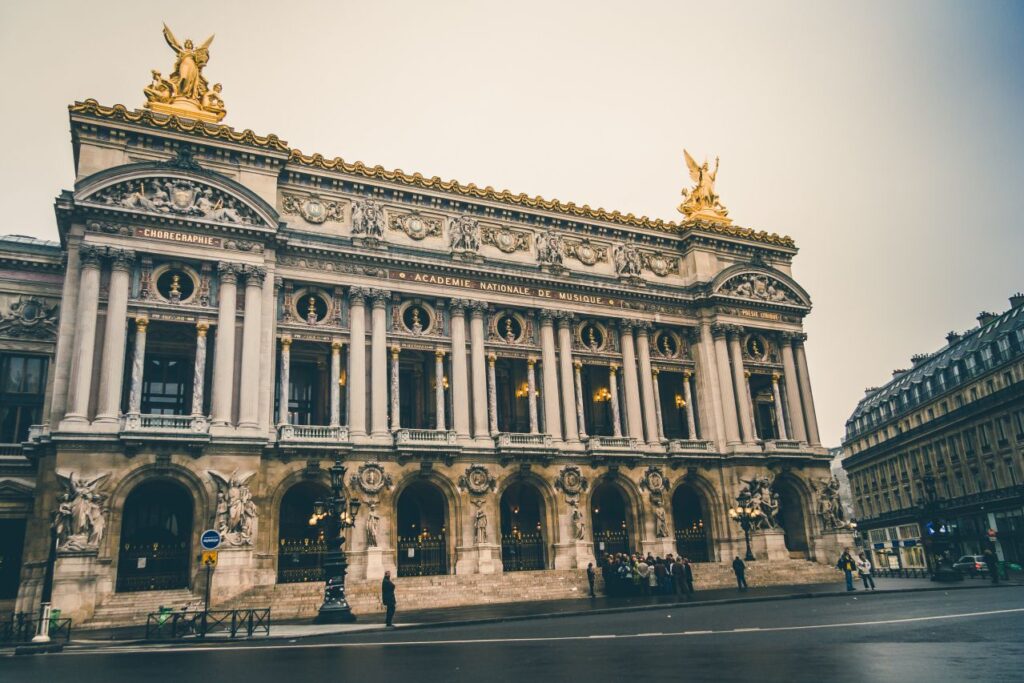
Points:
(898, 372)
(919, 358)
(952, 337)
(1017, 300)
(984, 318)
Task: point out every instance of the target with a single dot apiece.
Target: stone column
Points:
(396, 417)
(335, 387)
(138, 365)
(643, 350)
(112, 364)
(492, 393)
(708, 390)
(740, 385)
(634, 418)
(565, 370)
(796, 415)
(807, 398)
(478, 367)
(199, 369)
(252, 324)
(577, 367)
(552, 418)
(357, 361)
(224, 348)
(613, 389)
(728, 393)
(657, 404)
(691, 425)
(780, 416)
(750, 403)
(439, 388)
(379, 366)
(85, 336)
(460, 376)
(284, 391)
(531, 387)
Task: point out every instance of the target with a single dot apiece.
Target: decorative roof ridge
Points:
(273, 142)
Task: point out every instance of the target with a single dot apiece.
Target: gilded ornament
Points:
(313, 208)
(186, 91)
(415, 225)
(702, 202)
(505, 239)
(585, 252)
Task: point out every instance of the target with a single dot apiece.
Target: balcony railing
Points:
(166, 424)
(689, 446)
(519, 440)
(425, 437)
(612, 443)
(10, 449)
(312, 433)
(781, 445)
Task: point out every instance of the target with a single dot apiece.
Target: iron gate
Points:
(692, 544)
(153, 566)
(611, 542)
(522, 552)
(422, 555)
(300, 560)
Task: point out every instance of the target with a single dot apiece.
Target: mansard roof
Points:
(273, 144)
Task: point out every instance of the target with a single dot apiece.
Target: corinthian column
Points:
(643, 350)
(138, 364)
(85, 336)
(657, 405)
(460, 377)
(577, 366)
(492, 393)
(740, 386)
(199, 369)
(781, 417)
(379, 365)
(224, 348)
(357, 361)
(439, 388)
(552, 419)
(396, 406)
(796, 415)
(112, 366)
(613, 388)
(687, 396)
(565, 367)
(335, 419)
(531, 386)
(807, 398)
(284, 391)
(634, 418)
(252, 323)
(478, 366)
(728, 394)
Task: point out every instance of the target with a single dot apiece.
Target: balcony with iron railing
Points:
(689, 446)
(165, 427)
(520, 441)
(324, 436)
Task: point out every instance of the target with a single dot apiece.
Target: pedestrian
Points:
(679, 576)
(688, 575)
(387, 596)
(847, 565)
(740, 569)
(992, 563)
(652, 577)
(591, 576)
(661, 572)
(864, 569)
(642, 571)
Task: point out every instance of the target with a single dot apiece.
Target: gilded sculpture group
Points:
(186, 90)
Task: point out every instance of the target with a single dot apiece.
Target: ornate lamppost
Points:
(748, 516)
(336, 514)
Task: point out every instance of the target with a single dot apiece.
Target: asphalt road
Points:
(959, 635)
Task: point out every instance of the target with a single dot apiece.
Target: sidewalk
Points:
(476, 614)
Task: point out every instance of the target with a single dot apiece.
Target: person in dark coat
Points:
(679, 576)
(591, 576)
(387, 596)
(740, 569)
(688, 574)
(992, 564)
(846, 564)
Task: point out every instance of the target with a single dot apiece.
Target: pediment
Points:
(761, 285)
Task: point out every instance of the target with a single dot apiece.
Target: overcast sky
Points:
(884, 137)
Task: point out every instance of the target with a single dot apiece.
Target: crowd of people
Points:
(638, 575)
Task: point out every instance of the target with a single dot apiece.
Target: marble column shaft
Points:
(460, 377)
(439, 388)
(796, 415)
(634, 417)
(112, 363)
(284, 392)
(199, 369)
(252, 324)
(478, 368)
(492, 394)
(643, 351)
(740, 387)
(396, 416)
(224, 348)
(138, 366)
(379, 366)
(549, 370)
(613, 389)
(807, 397)
(725, 383)
(780, 417)
(357, 361)
(657, 405)
(531, 387)
(691, 425)
(85, 336)
(335, 419)
(577, 367)
(569, 425)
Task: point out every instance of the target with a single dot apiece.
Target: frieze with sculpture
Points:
(477, 480)
(464, 235)
(313, 208)
(627, 260)
(572, 483)
(505, 239)
(415, 225)
(371, 479)
(30, 318)
(758, 287)
(550, 249)
(177, 197)
(758, 494)
(79, 521)
(367, 219)
(585, 251)
(236, 514)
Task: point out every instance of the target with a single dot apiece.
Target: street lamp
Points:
(336, 514)
(747, 515)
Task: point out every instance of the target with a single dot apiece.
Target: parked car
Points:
(972, 565)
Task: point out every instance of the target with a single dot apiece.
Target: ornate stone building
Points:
(513, 383)
(936, 456)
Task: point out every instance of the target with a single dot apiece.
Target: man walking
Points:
(591, 576)
(387, 596)
(864, 569)
(688, 575)
(847, 565)
(740, 569)
(992, 564)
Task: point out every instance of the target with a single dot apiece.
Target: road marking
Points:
(648, 635)
(537, 639)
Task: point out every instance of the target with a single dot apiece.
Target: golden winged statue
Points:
(186, 91)
(701, 203)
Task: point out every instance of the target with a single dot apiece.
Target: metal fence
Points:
(232, 623)
(902, 573)
(23, 627)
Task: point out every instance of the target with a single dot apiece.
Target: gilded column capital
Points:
(395, 350)
(121, 259)
(380, 297)
(201, 328)
(531, 361)
(613, 368)
(655, 372)
(89, 256)
(578, 364)
(746, 373)
(491, 358)
(286, 341)
(357, 295)
(336, 344)
(438, 354)
(228, 272)
(775, 377)
(687, 374)
(141, 324)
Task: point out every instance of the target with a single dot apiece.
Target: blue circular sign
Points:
(210, 540)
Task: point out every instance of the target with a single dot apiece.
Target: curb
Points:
(556, 615)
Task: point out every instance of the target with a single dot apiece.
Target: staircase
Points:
(131, 609)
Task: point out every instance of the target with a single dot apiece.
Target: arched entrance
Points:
(422, 530)
(156, 538)
(791, 518)
(693, 538)
(608, 518)
(300, 547)
(522, 528)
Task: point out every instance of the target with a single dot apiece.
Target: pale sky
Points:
(884, 137)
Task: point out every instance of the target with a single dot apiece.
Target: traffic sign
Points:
(209, 558)
(210, 540)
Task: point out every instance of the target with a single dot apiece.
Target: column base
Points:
(574, 555)
(482, 558)
(234, 574)
(659, 547)
(770, 544)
